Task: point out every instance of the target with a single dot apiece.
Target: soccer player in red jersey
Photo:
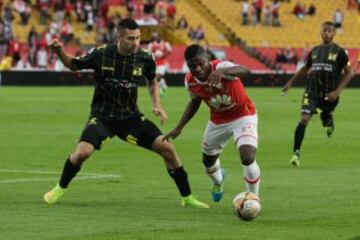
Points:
(232, 113)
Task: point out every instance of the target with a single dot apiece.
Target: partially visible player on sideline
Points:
(161, 50)
(119, 67)
(327, 72)
(232, 114)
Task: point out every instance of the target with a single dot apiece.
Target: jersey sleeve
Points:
(150, 66)
(309, 60)
(86, 61)
(224, 64)
(342, 58)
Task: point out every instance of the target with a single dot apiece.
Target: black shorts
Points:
(312, 104)
(136, 130)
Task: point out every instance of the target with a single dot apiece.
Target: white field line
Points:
(81, 176)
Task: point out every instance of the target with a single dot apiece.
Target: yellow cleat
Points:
(295, 161)
(191, 201)
(54, 195)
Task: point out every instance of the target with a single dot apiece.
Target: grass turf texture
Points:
(40, 126)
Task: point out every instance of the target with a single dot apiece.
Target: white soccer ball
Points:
(246, 205)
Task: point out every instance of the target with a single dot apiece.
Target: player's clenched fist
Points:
(56, 45)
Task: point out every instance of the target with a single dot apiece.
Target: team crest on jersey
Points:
(218, 100)
(332, 56)
(137, 71)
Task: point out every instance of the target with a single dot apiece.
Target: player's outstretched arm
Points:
(345, 79)
(65, 58)
(229, 73)
(155, 98)
(296, 77)
(190, 110)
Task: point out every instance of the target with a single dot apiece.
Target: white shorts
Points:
(216, 136)
(162, 69)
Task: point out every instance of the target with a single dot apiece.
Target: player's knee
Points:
(208, 160)
(247, 154)
(167, 150)
(304, 120)
(81, 154)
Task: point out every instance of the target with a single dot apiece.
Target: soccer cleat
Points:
(191, 201)
(295, 160)
(330, 130)
(217, 190)
(54, 194)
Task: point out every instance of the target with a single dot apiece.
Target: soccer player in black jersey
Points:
(327, 72)
(119, 67)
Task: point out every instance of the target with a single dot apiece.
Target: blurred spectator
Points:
(161, 50)
(182, 23)
(312, 10)
(160, 9)
(138, 8)
(23, 63)
(199, 33)
(299, 10)
(44, 6)
(149, 7)
(267, 15)
(170, 14)
(79, 11)
(192, 33)
(69, 7)
(33, 37)
(8, 13)
(66, 31)
(253, 14)
(275, 13)
(3, 41)
(90, 18)
(280, 56)
(24, 11)
(59, 10)
(245, 12)
(14, 49)
(338, 19)
(258, 8)
(42, 58)
(351, 4)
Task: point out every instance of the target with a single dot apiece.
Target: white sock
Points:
(252, 177)
(214, 172)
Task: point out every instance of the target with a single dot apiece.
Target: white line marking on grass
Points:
(81, 176)
(52, 173)
(30, 180)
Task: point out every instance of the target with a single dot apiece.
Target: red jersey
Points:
(160, 50)
(228, 102)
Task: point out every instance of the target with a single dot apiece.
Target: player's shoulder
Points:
(144, 52)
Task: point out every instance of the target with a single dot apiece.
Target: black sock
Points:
(180, 177)
(298, 138)
(69, 172)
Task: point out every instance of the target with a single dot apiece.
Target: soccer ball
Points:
(246, 206)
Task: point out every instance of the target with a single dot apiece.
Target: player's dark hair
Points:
(328, 23)
(126, 23)
(194, 50)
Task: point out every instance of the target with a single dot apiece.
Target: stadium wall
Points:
(41, 78)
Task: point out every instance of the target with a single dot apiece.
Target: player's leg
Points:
(160, 72)
(246, 140)
(146, 134)
(327, 117)
(309, 107)
(91, 138)
(213, 143)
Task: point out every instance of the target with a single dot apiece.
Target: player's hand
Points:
(214, 79)
(285, 89)
(173, 134)
(161, 113)
(56, 45)
(332, 96)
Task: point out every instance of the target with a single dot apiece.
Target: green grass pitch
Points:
(40, 126)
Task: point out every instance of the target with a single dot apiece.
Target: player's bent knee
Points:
(82, 152)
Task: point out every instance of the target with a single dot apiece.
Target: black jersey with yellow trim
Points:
(116, 79)
(326, 63)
